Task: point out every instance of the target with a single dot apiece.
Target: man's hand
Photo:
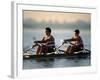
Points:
(35, 41)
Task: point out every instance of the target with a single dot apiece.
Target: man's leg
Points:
(72, 49)
(68, 49)
(44, 49)
(39, 49)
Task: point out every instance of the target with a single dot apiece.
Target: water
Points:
(31, 35)
(55, 63)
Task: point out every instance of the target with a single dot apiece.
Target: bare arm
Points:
(42, 41)
(68, 40)
(79, 39)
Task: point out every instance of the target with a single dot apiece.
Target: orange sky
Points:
(56, 16)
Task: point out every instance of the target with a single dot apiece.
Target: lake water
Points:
(30, 35)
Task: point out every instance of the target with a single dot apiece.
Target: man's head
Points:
(77, 32)
(47, 31)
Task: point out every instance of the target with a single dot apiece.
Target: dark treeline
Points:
(80, 24)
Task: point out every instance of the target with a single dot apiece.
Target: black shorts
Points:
(76, 48)
(46, 49)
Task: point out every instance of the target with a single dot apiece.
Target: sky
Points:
(59, 17)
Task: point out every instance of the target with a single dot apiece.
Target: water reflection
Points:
(55, 63)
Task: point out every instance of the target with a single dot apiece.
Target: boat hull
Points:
(79, 55)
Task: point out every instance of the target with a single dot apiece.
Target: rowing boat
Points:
(80, 54)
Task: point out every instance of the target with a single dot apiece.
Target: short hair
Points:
(48, 29)
(77, 31)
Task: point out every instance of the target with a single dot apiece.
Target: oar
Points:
(29, 48)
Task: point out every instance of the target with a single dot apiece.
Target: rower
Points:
(47, 44)
(76, 43)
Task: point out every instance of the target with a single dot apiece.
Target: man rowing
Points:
(47, 44)
(76, 43)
